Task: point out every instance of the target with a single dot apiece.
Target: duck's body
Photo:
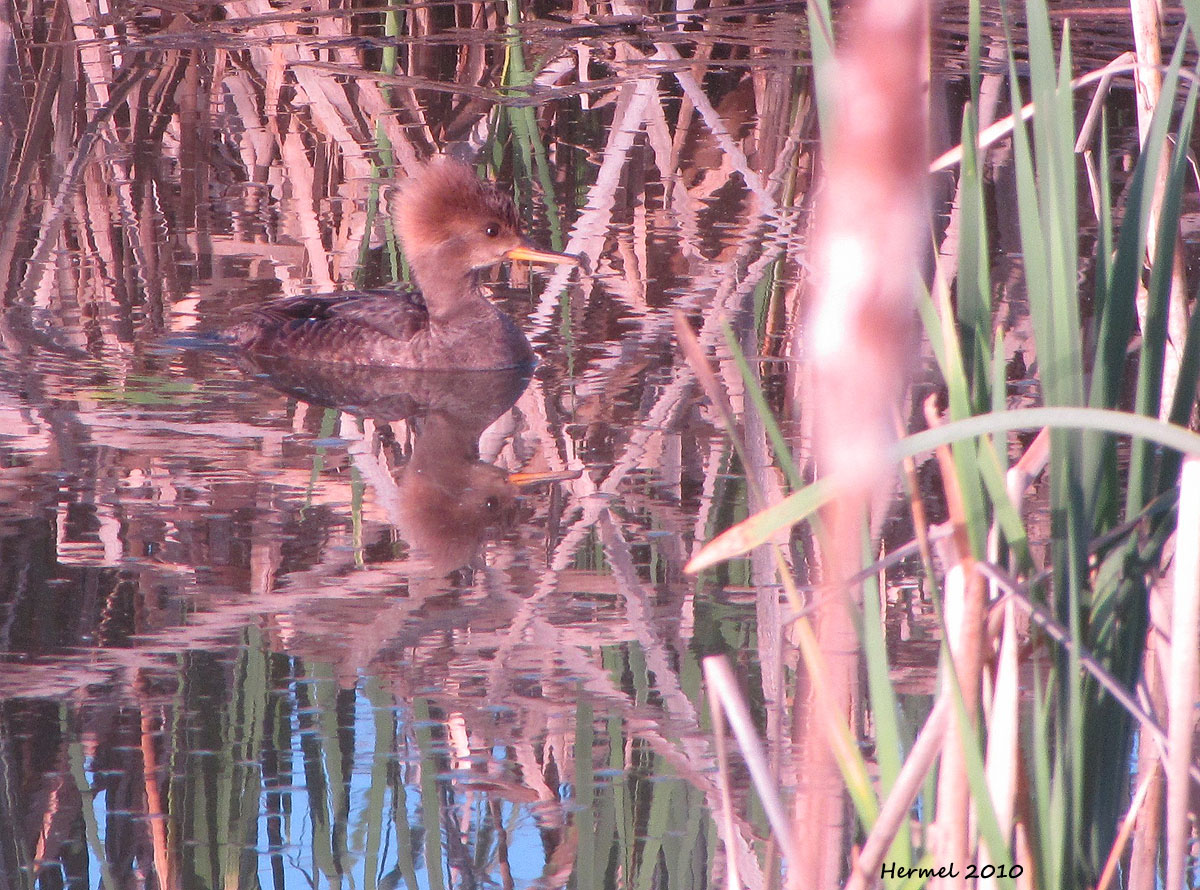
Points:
(451, 226)
(387, 327)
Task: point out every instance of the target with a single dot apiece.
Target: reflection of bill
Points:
(444, 500)
(447, 499)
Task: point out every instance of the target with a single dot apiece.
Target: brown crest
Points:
(443, 201)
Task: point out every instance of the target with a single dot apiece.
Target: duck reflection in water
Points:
(444, 500)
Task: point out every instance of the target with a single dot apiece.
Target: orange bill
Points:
(530, 254)
(528, 480)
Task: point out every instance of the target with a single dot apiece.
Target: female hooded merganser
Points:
(451, 226)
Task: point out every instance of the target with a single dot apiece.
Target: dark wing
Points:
(332, 326)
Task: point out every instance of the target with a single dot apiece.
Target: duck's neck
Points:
(449, 290)
(445, 442)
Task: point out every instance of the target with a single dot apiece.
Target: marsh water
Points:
(272, 626)
(268, 625)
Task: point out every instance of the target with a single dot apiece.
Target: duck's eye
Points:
(492, 229)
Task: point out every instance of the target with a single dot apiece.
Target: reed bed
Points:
(1047, 634)
(1061, 663)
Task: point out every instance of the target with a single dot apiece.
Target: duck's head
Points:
(451, 222)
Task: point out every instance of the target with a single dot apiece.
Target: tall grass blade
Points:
(889, 742)
(759, 528)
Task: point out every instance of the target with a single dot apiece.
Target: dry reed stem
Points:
(1002, 767)
(55, 211)
(1030, 465)
(699, 100)
(829, 749)
(990, 89)
(1147, 29)
(717, 712)
(1154, 697)
(949, 836)
(1040, 614)
(929, 743)
(1087, 131)
(964, 614)
(725, 694)
(1004, 127)
(1113, 862)
(155, 813)
(302, 183)
(1184, 668)
(1143, 859)
(591, 228)
(35, 144)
